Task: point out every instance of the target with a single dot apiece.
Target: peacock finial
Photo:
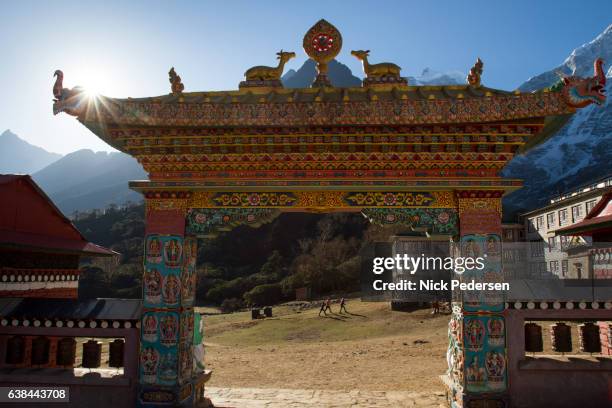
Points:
(474, 77)
(176, 85)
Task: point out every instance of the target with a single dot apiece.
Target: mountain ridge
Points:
(20, 157)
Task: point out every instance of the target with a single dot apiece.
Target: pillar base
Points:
(190, 394)
(457, 397)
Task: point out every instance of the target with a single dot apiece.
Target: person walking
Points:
(328, 305)
(343, 305)
(323, 304)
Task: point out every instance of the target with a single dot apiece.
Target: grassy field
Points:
(371, 348)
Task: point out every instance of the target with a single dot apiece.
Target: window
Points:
(542, 267)
(590, 205)
(531, 225)
(576, 212)
(539, 222)
(564, 241)
(562, 217)
(564, 267)
(578, 267)
(537, 249)
(508, 234)
(551, 244)
(554, 267)
(550, 220)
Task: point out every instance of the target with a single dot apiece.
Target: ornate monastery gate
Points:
(427, 155)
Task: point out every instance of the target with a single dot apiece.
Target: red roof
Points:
(28, 218)
(599, 219)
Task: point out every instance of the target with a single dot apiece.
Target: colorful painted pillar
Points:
(167, 323)
(477, 337)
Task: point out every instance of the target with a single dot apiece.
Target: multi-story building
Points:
(548, 251)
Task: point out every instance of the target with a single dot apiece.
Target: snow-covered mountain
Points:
(432, 77)
(340, 75)
(581, 151)
(579, 62)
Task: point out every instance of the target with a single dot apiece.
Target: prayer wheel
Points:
(66, 351)
(588, 334)
(15, 347)
(116, 349)
(40, 350)
(92, 354)
(533, 338)
(561, 337)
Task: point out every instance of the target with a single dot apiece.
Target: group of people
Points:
(326, 305)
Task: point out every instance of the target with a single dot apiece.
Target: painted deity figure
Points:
(495, 364)
(171, 289)
(475, 373)
(187, 284)
(493, 246)
(168, 368)
(495, 327)
(173, 251)
(152, 286)
(471, 249)
(186, 361)
(149, 328)
(149, 360)
(169, 330)
(187, 326)
(154, 250)
(475, 334)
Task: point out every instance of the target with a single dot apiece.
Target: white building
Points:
(547, 251)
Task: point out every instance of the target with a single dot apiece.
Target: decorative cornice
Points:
(300, 200)
(380, 111)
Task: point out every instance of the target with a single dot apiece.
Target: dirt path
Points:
(305, 358)
(295, 398)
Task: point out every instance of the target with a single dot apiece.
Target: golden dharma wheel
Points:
(116, 349)
(533, 338)
(15, 347)
(588, 334)
(322, 42)
(561, 337)
(66, 351)
(40, 350)
(92, 354)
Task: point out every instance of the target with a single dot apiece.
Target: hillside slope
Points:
(18, 156)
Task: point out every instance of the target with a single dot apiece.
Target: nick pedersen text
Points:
(427, 285)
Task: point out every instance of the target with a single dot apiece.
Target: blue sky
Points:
(126, 48)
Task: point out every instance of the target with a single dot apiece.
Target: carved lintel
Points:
(208, 222)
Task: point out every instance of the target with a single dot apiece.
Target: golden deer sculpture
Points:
(380, 70)
(263, 73)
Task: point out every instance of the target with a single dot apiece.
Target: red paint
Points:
(165, 222)
(29, 218)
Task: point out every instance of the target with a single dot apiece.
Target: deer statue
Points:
(263, 73)
(377, 71)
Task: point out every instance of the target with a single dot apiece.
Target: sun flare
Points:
(93, 82)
